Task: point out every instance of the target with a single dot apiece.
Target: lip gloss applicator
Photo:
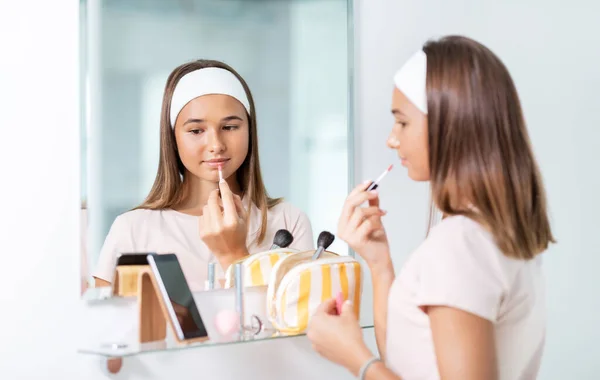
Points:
(220, 173)
(375, 183)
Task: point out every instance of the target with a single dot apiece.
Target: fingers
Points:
(361, 214)
(355, 200)
(360, 188)
(368, 228)
(220, 203)
(230, 214)
(239, 206)
(214, 203)
(214, 210)
(374, 201)
(348, 310)
(327, 307)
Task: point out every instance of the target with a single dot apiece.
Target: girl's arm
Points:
(464, 347)
(382, 279)
(464, 344)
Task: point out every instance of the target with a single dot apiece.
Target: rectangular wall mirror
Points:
(295, 58)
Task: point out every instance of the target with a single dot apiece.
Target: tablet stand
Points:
(153, 313)
(126, 280)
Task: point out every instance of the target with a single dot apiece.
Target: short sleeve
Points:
(301, 230)
(114, 244)
(459, 267)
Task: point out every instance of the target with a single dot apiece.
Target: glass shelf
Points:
(123, 349)
(113, 330)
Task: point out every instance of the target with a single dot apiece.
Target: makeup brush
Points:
(282, 239)
(323, 242)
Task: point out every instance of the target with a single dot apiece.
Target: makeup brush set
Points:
(298, 282)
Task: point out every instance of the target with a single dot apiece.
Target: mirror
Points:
(295, 59)
(293, 56)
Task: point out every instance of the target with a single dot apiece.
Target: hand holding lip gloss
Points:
(362, 226)
(223, 225)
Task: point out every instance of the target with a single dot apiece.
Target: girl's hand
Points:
(361, 227)
(338, 338)
(224, 229)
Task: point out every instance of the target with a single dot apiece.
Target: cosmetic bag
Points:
(298, 285)
(257, 267)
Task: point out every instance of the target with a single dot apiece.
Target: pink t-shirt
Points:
(169, 231)
(460, 266)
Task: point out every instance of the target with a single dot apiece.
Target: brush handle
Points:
(318, 253)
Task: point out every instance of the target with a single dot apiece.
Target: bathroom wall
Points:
(39, 160)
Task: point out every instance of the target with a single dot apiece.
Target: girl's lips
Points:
(216, 163)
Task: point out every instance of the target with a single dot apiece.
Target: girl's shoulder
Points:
(464, 246)
(459, 229)
(144, 217)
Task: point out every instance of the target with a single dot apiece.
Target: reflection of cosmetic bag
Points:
(257, 267)
(298, 285)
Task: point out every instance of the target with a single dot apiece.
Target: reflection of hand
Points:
(361, 227)
(224, 230)
(338, 338)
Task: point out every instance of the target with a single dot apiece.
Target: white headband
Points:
(411, 79)
(207, 81)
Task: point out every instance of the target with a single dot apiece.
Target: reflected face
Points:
(212, 130)
(409, 137)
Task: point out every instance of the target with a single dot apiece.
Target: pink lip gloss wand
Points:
(375, 184)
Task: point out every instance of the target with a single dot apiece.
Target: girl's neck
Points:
(197, 190)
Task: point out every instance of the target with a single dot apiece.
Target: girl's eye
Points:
(196, 131)
(230, 127)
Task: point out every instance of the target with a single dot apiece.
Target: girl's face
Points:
(212, 130)
(409, 137)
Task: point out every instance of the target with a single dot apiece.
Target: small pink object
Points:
(227, 322)
(339, 302)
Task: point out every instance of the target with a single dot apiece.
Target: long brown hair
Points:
(167, 190)
(479, 148)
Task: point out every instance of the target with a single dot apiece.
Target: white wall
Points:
(39, 162)
(552, 52)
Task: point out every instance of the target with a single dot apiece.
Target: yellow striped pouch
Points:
(257, 267)
(298, 285)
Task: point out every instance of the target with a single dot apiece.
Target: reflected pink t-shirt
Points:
(459, 265)
(169, 231)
